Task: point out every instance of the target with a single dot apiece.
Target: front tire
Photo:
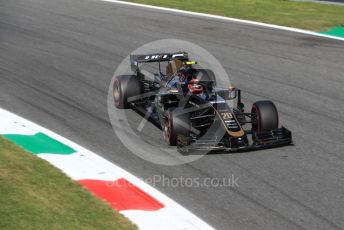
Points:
(176, 123)
(264, 116)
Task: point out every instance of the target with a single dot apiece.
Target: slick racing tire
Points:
(124, 87)
(264, 116)
(176, 123)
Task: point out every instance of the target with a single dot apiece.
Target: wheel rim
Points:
(167, 131)
(116, 92)
(255, 120)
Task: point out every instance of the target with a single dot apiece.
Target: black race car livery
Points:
(193, 113)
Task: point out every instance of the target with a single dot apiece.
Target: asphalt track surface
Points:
(57, 59)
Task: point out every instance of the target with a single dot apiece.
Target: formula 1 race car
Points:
(193, 113)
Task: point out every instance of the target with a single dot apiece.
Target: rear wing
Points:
(136, 59)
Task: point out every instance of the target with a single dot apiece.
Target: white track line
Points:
(184, 12)
(84, 164)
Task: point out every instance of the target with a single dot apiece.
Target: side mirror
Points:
(228, 94)
(232, 92)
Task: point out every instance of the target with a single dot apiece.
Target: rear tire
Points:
(176, 123)
(264, 116)
(124, 87)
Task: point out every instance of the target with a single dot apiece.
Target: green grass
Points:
(35, 195)
(305, 15)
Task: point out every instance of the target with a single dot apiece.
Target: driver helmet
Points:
(194, 86)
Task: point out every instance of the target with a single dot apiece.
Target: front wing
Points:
(274, 138)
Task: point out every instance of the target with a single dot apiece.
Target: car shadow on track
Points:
(220, 152)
